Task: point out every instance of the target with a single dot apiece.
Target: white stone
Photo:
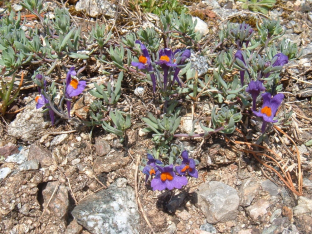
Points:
(4, 172)
(59, 139)
(17, 7)
(201, 26)
(139, 91)
(142, 133)
(95, 8)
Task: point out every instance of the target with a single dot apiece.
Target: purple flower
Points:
(39, 76)
(149, 170)
(145, 63)
(254, 88)
(281, 60)
(152, 160)
(144, 59)
(166, 178)
(166, 60)
(180, 60)
(42, 101)
(166, 57)
(239, 55)
(74, 87)
(187, 166)
(269, 108)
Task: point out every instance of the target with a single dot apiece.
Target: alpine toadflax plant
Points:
(144, 63)
(150, 168)
(166, 178)
(73, 87)
(269, 108)
(187, 166)
(169, 177)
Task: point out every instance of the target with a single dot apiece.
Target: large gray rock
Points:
(113, 210)
(218, 201)
(28, 124)
(96, 8)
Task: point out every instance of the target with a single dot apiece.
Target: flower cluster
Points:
(270, 104)
(73, 87)
(169, 177)
(170, 62)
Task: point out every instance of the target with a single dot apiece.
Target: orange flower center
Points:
(165, 58)
(152, 172)
(267, 111)
(185, 168)
(37, 98)
(74, 83)
(166, 176)
(142, 59)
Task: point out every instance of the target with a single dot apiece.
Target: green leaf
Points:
(176, 125)
(309, 143)
(78, 56)
(151, 124)
(66, 39)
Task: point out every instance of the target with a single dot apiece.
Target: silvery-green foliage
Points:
(289, 48)
(117, 54)
(163, 128)
(100, 35)
(129, 40)
(108, 94)
(181, 27)
(225, 60)
(269, 29)
(150, 38)
(62, 21)
(121, 124)
(226, 117)
(240, 32)
(34, 6)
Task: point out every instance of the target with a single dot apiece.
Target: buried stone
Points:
(113, 210)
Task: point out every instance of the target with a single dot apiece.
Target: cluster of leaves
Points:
(159, 6)
(262, 6)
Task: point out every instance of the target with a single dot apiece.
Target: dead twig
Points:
(285, 176)
(46, 207)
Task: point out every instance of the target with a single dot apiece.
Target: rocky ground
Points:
(61, 180)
